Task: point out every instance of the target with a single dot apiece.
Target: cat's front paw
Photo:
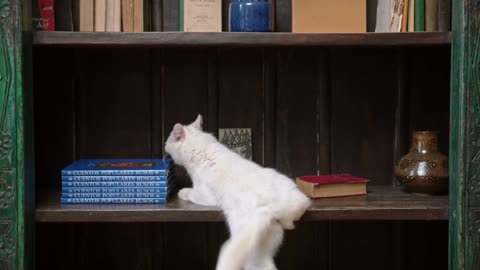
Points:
(184, 194)
(287, 224)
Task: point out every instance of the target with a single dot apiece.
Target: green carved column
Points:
(465, 137)
(16, 196)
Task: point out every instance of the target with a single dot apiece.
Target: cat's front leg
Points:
(192, 195)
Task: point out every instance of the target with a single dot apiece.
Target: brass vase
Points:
(423, 169)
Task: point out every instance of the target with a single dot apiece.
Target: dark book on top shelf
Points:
(115, 184)
(43, 15)
(76, 15)
(113, 200)
(80, 190)
(171, 15)
(118, 167)
(157, 15)
(63, 15)
(444, 15)
(113, 178)
(333, 185)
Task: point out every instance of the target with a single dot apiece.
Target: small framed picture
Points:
(238, 140)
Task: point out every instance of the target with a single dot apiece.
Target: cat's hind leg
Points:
(262, 257)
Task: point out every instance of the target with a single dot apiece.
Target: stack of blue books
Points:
(117, 181)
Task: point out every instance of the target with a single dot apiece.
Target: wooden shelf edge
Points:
(167, 39)
(382, 203)
(217, 216)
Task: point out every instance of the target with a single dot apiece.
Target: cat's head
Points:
(181, 138)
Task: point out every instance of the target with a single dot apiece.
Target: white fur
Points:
(258, 202)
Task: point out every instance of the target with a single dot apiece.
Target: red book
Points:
(43, 17)
(332, 185)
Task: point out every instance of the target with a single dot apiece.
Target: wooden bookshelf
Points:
(382, 203)
(315, 103)
(166, 39)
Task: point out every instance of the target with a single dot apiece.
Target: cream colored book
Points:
(127, 15)
(138, 16)
(411, 16)
(114, 16)
(100, 15)
(202, 16)
(87, 15)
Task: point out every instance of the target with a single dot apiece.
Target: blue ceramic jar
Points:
(250, 16)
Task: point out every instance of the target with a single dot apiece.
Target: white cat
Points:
(258, 202)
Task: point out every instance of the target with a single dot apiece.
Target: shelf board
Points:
(382, 203)
(166, 39)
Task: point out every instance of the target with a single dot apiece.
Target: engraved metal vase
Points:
(423, 169)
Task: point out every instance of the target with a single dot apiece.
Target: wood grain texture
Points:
(465, 137)
(473, 238)
(358, 126)
(166, 39)
(240, 99)
(305, 247)
(382, 203)
(363, 114)
(156, 99)
(269, 96)
(430, 239)
(297, 140)
(103, 253)
(184, 98)
(296, 114)
(54, 80)
(428, 86)
(185, 89)
(60, 239)
(324, 111)
(457, 154)
(472, 95)
(402, 118)
(16, 176)
(356, 240)
(114, 121)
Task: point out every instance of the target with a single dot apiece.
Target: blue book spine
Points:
(112, 200)
(129, 178)
(114, 172)
(113, 190)
(115, 184)
(153, 167)
(114, 195)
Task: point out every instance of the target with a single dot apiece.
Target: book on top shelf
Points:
(333, 185)
(113, 200)
(115, 195)
(112, 181)
(66, 190)
(115, 178)
(43, 15)
(116, 184)
(104, 167)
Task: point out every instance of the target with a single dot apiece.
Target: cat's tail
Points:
(234, 252)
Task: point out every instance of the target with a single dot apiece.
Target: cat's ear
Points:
(198, 124)
(178, 133)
